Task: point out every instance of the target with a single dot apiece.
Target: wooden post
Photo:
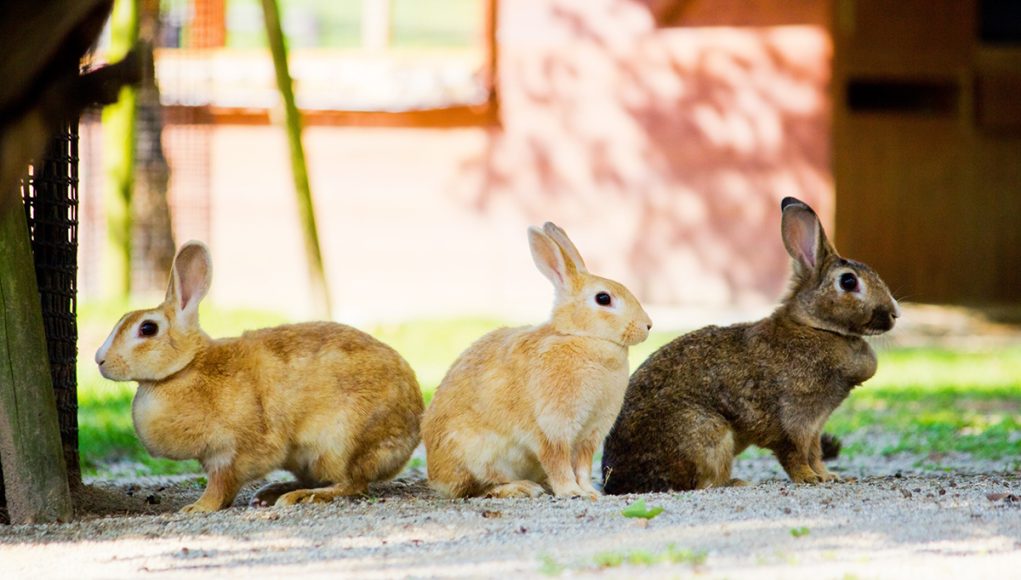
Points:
(306, 210)
(35, 477)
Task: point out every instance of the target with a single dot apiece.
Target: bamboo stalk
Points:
(306, 210)
(119, 158)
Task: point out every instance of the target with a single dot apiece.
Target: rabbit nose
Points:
(648, 326)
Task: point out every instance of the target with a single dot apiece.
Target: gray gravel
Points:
(903, 522)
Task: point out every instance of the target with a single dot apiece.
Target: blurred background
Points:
(661, 134)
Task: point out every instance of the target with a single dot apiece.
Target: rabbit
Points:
(329, 403)
(700, 400)
(527, 407)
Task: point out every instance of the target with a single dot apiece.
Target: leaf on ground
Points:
(639, 510)
(799, 532)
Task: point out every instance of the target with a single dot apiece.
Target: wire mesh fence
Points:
(51, 207)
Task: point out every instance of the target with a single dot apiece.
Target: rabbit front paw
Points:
(804, 474)
(590, 491)
(828, 476)
(575, 490)
(197, 508)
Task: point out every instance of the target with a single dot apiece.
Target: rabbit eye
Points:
(848, 282)
(603, 299)
(148, 328)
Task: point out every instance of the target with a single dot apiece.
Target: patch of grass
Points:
(936, 401)
(800, 532)
(671, 555)
(549, 566)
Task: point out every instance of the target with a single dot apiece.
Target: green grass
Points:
(669, 555)
(939, 401)
(926, 401)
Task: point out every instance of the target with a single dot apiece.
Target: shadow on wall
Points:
(681, 141)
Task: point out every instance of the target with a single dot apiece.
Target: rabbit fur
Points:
(523, 410)
(700, 400)
(329, 403)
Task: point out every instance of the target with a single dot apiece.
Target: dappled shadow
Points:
(678, 142)
(162, 495)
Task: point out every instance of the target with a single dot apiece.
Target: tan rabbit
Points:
(527, 407)
(703, 398)
(332, 405)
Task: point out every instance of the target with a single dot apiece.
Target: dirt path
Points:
(918, 525)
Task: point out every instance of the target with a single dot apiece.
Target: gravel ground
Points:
(898, 522)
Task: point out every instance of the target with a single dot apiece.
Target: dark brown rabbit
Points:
(706, 396)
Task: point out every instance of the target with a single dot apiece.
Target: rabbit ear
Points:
(189, 280)
(571, 254)
(803, 235)
(549, 258)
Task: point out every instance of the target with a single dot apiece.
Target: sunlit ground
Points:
(924, 401)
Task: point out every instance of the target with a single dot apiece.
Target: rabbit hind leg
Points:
(321, 477)
(321, 494)
(713, 455)
(449, 477)
(268, 494)
(816, 463)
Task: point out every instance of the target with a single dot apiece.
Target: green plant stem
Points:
(306, 210)
(119, 157)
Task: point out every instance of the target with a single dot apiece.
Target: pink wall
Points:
(678, 142)
(663, 151)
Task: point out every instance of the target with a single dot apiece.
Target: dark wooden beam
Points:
(35, 477)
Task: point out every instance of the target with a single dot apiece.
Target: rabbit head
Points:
(585, 305)
(828, 291)
(151, 345)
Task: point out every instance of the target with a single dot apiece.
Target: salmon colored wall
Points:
(664, 152)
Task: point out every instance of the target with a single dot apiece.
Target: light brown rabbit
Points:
(703, 398)
(332, 405)
(527, 407)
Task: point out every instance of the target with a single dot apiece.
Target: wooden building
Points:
(927, 145)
